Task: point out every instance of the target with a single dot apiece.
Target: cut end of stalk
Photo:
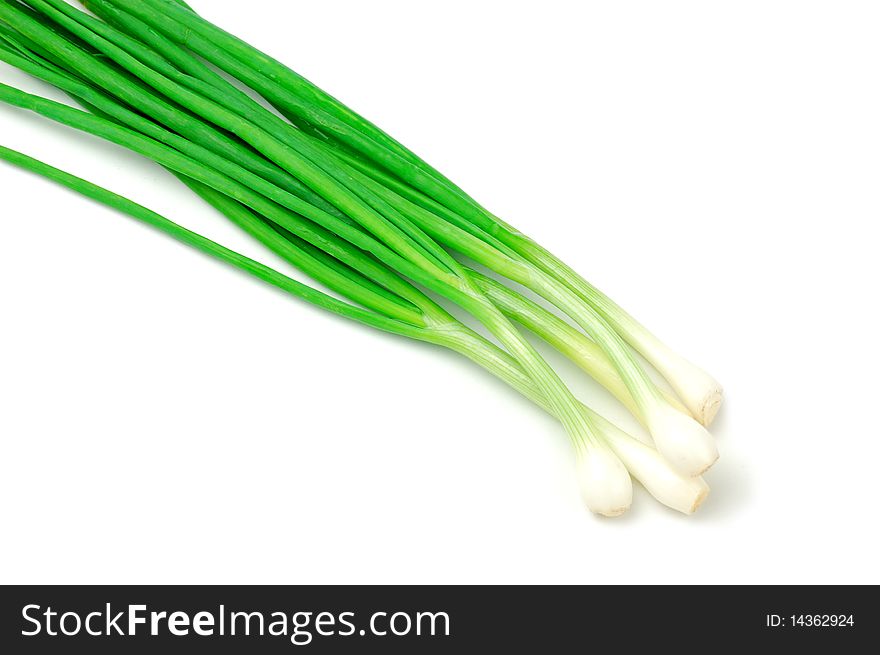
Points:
(710, 405)
(612, 512)
(684, 443)
(605, 483)
(701, 495)
(698, 390)
(684, 495)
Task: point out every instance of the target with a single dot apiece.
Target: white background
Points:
(713, 166)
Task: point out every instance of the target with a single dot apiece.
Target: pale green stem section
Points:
(570, 342)
(464, 341)
(643, 393)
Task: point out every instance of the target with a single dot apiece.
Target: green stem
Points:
(211, 248)
(454, 335)
(294, 162)
(398, 233)
(310, 260)
(274, 81)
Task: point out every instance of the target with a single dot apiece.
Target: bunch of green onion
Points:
(364, 217)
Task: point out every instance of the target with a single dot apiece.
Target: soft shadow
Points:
(730, 493)
(729, 478)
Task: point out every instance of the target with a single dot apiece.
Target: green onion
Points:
(359, 213)
(433, 273)
(277, 83)
(680, 493)
(690, 446)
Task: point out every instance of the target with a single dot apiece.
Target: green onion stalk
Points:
(349, 206)
(289, 91)
(584, 352)
(472, 230)
(585, 437)
(407, 228)
(679, 492)
(397, 244)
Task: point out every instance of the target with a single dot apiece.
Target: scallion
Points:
(359, 213)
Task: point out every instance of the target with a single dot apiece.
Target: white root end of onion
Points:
(605, 483)
(679, 492)
(698, 390)
(683, 442)
(710, 404)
